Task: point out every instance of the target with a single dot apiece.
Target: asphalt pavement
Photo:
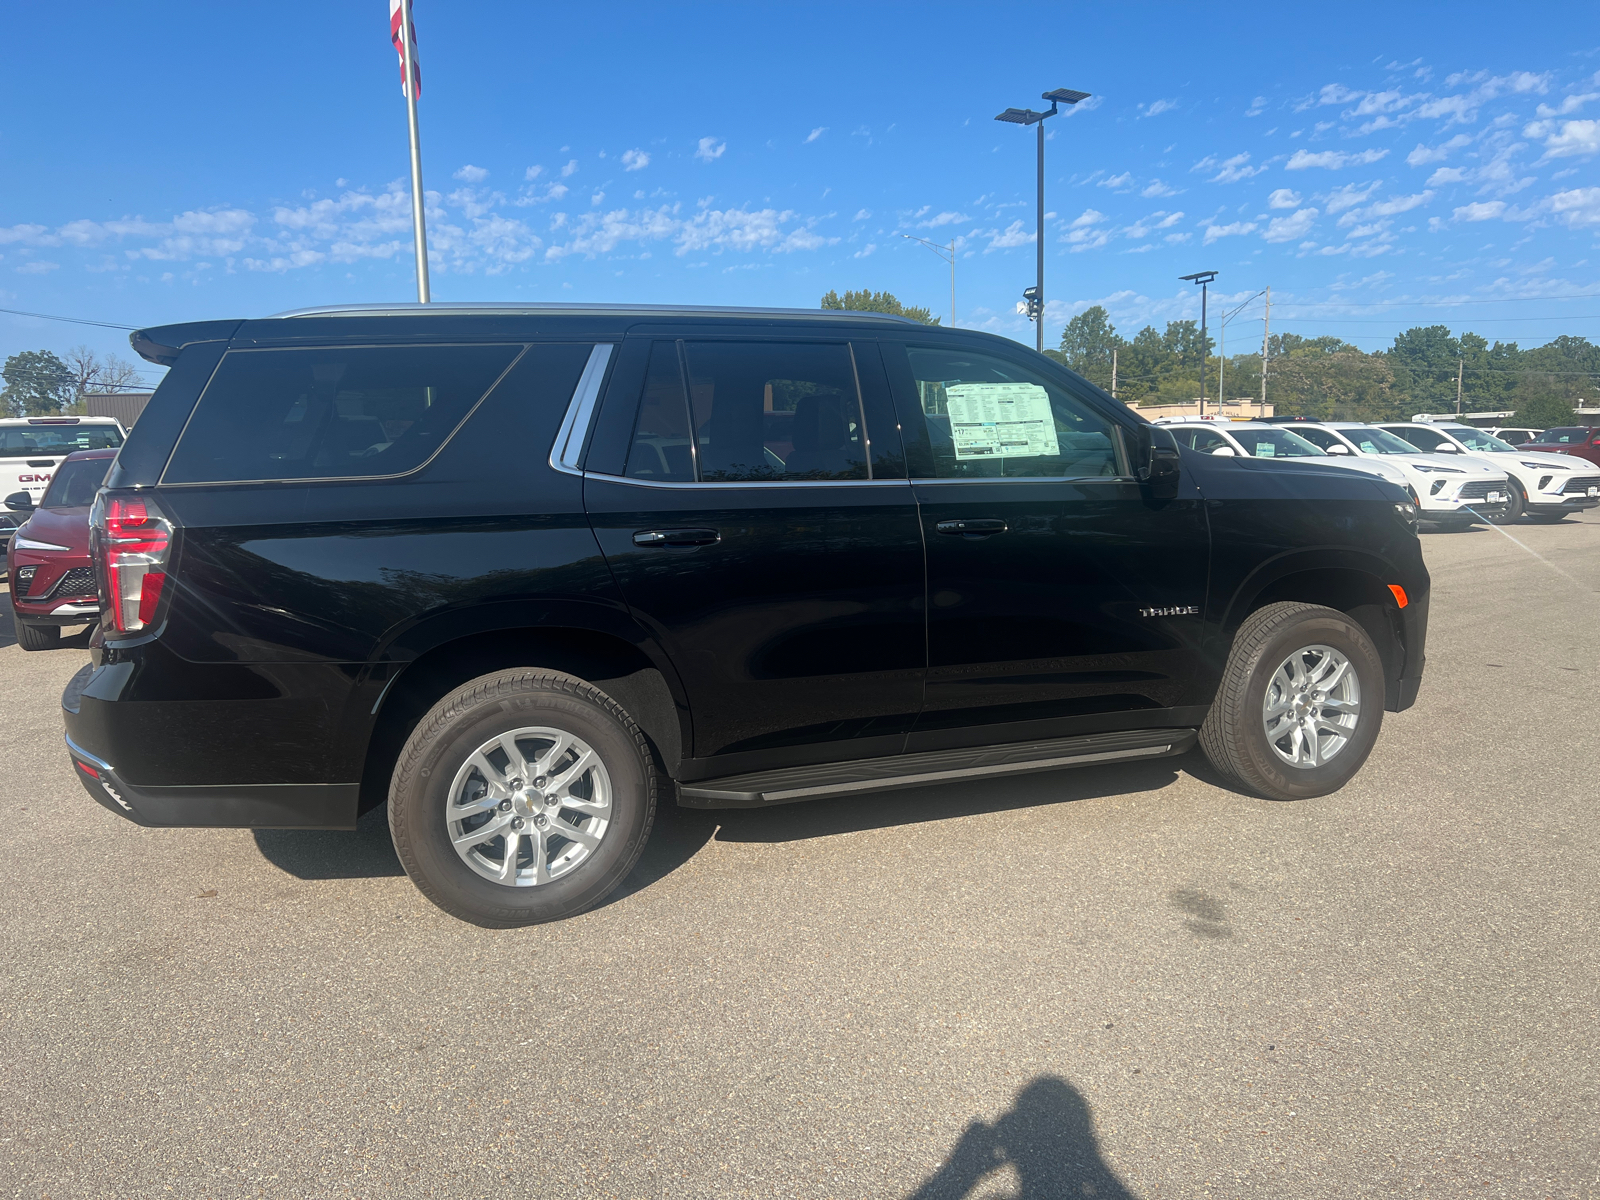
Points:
(1114, 982)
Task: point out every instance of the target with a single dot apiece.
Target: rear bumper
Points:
(96, 726)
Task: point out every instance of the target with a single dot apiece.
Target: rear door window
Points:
(332, 413)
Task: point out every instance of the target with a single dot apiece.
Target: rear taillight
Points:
(132, 543)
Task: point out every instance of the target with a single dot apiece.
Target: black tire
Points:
(1547, 518)
(37, 637)
(1515, 507)
(1234, 736)
(466, 720)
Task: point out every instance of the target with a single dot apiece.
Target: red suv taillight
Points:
(131, 539)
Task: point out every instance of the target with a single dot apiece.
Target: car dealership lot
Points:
(1126, 977)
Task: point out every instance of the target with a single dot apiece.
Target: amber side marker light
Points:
(1399, 595)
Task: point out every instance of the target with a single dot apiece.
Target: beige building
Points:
(1232, 410)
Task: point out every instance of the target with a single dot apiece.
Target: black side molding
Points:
(792, 784)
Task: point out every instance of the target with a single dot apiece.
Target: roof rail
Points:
(413, 309)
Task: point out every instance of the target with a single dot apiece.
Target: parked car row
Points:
(53, 583)
(1456, 474)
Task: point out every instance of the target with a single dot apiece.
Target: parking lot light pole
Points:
(1033, 298)
(1202, 278)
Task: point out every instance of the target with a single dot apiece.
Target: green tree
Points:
(1424, 361)
(1088, 343)
(878, 302)
(1544, 412)
(38, 384)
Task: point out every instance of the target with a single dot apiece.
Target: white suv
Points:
(32, 447)
(1545, 486)
(1452, 491)
(1256, 439)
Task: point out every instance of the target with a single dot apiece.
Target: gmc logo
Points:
(33, 479)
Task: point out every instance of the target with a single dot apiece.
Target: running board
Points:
(791, 784)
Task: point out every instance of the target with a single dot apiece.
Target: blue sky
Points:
(1378, 166)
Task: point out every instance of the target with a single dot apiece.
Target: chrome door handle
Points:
(676, 537)
(972, 528)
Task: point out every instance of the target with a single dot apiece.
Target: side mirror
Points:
(1157, 463)
(19, 502)
(1338, 448)
(1224, 451)
(1447, 448)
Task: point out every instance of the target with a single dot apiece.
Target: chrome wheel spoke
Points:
(550, 757)
(582, 836)
(593, 808)
(1343, 708)
(515, 763)
(508, 865)
(491, 774)
(485, 832)
(1311, 707)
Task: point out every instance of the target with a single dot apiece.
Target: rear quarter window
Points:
(332, 413)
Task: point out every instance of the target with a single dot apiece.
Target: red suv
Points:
(52, 579)
(1582, 441)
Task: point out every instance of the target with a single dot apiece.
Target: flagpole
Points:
(418, 222)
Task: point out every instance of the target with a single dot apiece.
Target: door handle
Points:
(676, 537)
(972, 528)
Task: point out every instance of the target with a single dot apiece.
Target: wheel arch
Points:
(616, 658)
(1351, 582)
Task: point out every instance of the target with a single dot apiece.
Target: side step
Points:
(790, 784)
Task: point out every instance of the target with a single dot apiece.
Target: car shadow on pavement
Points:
(8, 623)
(1046, 1138)
(367, 852)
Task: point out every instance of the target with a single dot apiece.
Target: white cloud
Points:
(1157, 108)
(1348, 196)
(1578, 207)
(1156, 188)
(1234, 169)
(710, 148)
(1012, 236)
(1213, 232)
(34, 235)
(38, 267)
(1423, 155)
(1570, 105)
(1331, 159)
(532, 173)
(1088, 217)
(816, 133)
(570, 169)
(1447, 175)
(1480, 211)
(635, 160)
(1573, 138)
(865, 250)
(944, 218)
(471, 174)
(862, 215)
(1287, 229)
(1116, 181)
(1257, 107)
(1145, 226)
(1283, 198)
(1399, 204)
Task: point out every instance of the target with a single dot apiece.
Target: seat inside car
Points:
(821, 435)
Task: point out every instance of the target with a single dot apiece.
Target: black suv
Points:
(522, 571)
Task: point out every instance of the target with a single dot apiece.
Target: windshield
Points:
(75, 483)
(1376, 441)
(1564, 436)
(1477, 439)
(1276, 443)
(29, 441)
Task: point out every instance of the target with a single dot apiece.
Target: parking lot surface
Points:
(1111, 982)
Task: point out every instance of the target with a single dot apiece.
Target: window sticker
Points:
(1001, 420)
(1266, 450)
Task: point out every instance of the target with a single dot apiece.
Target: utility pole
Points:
(1222, 350)
(1460, 362)
(1266, 327)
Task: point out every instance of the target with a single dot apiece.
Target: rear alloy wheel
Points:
(1517, 504)
(1300, 703)
(523, 796)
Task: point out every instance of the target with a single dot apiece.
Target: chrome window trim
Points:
(1032, 479)
(752, 484)
(566, 453)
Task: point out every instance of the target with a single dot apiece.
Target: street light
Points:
(941, 250)
(1202, 278)
(1033, 298)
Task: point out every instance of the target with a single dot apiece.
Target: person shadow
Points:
(1047, 1138)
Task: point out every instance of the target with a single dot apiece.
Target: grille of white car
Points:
(1581, 484)
(1477, 489)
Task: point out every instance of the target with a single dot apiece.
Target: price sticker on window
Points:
(1001, 420)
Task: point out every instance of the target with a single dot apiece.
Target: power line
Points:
(17, 312)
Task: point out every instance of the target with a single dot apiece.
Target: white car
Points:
(1453, 490)
(1256, 439)
(1545, 486)
(32, 447)
(1515, 435)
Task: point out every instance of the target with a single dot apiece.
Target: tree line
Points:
(41, 384)
(1329, 378)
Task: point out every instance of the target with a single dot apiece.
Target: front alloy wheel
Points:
(1311, 706)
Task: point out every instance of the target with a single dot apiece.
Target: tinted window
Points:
(1422, 439)
(775, 411)
(1376, 441)
(332, 413)
(661, 446)
(75, 483)
(989, 418)
(1318, 437)
(25, 441)
(1478, 439)
(1203, 440)
(1564, 437)
(1515, 437)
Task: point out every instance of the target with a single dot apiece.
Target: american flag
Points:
(397, 35)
